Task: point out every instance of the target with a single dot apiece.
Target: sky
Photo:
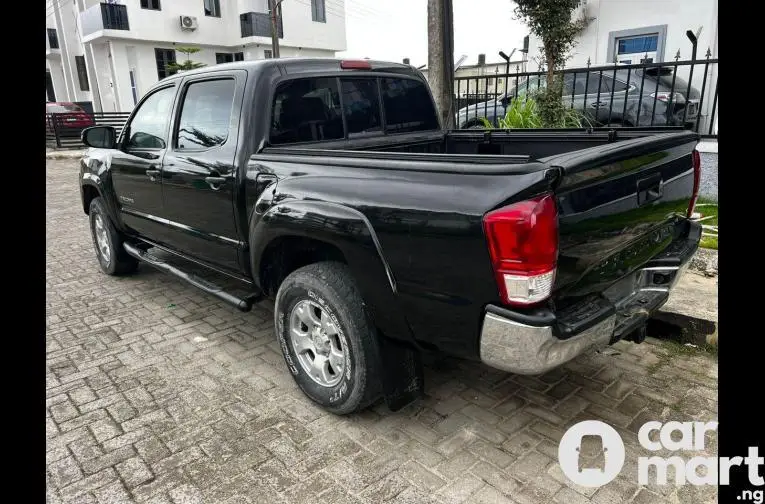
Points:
(396, 29)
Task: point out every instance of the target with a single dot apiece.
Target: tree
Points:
(551, 21)
(188, 64)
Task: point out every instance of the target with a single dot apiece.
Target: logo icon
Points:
(591, 453)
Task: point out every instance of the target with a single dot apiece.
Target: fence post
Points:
(54, 120)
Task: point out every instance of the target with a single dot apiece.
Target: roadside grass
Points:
(708, 210)
(671, 350)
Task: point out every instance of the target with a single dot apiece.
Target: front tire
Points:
(112, 258)
(327, 338)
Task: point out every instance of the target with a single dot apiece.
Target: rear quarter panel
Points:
(429, 230)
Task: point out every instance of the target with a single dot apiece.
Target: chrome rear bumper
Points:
(517, 347)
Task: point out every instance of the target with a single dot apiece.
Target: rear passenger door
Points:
(198, 172)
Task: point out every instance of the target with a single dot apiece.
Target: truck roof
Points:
(297, 66)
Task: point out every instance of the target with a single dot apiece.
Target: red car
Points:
(67, 116)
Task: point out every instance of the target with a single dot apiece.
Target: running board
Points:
(244, 304)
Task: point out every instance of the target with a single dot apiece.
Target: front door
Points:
(136, 164)
(198, 171)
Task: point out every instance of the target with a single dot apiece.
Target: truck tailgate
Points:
(619, 205)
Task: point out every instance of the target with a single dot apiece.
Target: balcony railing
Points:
(104, 16)
(258, 24)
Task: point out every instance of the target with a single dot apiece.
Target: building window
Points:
(212, 8)
(52, 38)
(205, 114)
(164, 57)
(228, 57)
(268, 53)
(82, 73)
(640, 45)
(151, 4)
(133, 86)
(318, 12)
(50, 93)
(258, 24)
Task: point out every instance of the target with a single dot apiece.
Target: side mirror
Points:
(100, 137)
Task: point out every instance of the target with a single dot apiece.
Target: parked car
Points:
(592, 97)
(380, 236)
(69, 118)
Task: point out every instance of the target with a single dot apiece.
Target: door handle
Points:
(215, 182)
(152, 172)
(598, 104)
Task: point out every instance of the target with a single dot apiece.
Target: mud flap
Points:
(403, 378)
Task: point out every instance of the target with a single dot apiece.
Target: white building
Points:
(629, 31)
(110, 52)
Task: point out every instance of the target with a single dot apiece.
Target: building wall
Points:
(116, 59)
(614, 15)
(164, 25)
(111, 54)
(57, 76)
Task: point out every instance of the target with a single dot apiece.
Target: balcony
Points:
(258, 24)
(104, 16)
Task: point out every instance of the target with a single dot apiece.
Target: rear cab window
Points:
(335, 108)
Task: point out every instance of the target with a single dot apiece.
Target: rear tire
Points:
(327, 339)
(112, 257)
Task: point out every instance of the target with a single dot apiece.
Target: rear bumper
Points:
(534, 344)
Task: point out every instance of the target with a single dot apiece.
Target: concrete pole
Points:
(441, 58)
(274, 8)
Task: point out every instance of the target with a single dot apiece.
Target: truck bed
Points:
(622, 197)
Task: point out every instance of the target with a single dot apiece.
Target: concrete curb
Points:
(690, 314)
(64, 154)
(704, 262)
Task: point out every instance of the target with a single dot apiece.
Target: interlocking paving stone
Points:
(158, 393)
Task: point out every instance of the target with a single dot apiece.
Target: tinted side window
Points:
(206, 114)
(407, 106)
(149, 124)
(306, 110)
(531, 86)
(361, 106)
(592, 85)
(616, 85)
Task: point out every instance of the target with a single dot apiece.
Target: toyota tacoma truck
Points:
(330, 187)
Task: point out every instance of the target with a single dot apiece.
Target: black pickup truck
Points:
(330, 187)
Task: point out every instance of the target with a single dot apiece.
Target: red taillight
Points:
(355, 65)
(696, 181)
(523, 245)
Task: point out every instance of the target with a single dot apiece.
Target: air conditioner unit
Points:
(189, 23)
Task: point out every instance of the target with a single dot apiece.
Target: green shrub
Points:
(527, 113)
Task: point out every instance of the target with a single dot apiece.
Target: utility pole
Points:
(275, 6)
(441, 58)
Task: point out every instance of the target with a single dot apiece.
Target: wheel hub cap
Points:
(318, 344)
(102, 241)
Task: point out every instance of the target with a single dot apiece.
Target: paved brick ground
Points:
(157, 393)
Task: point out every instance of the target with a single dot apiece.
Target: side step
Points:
(244, 304)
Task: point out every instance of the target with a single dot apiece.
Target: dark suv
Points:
(593, 94)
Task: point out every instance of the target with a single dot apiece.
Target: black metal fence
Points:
(62, 131)
(678, 93)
